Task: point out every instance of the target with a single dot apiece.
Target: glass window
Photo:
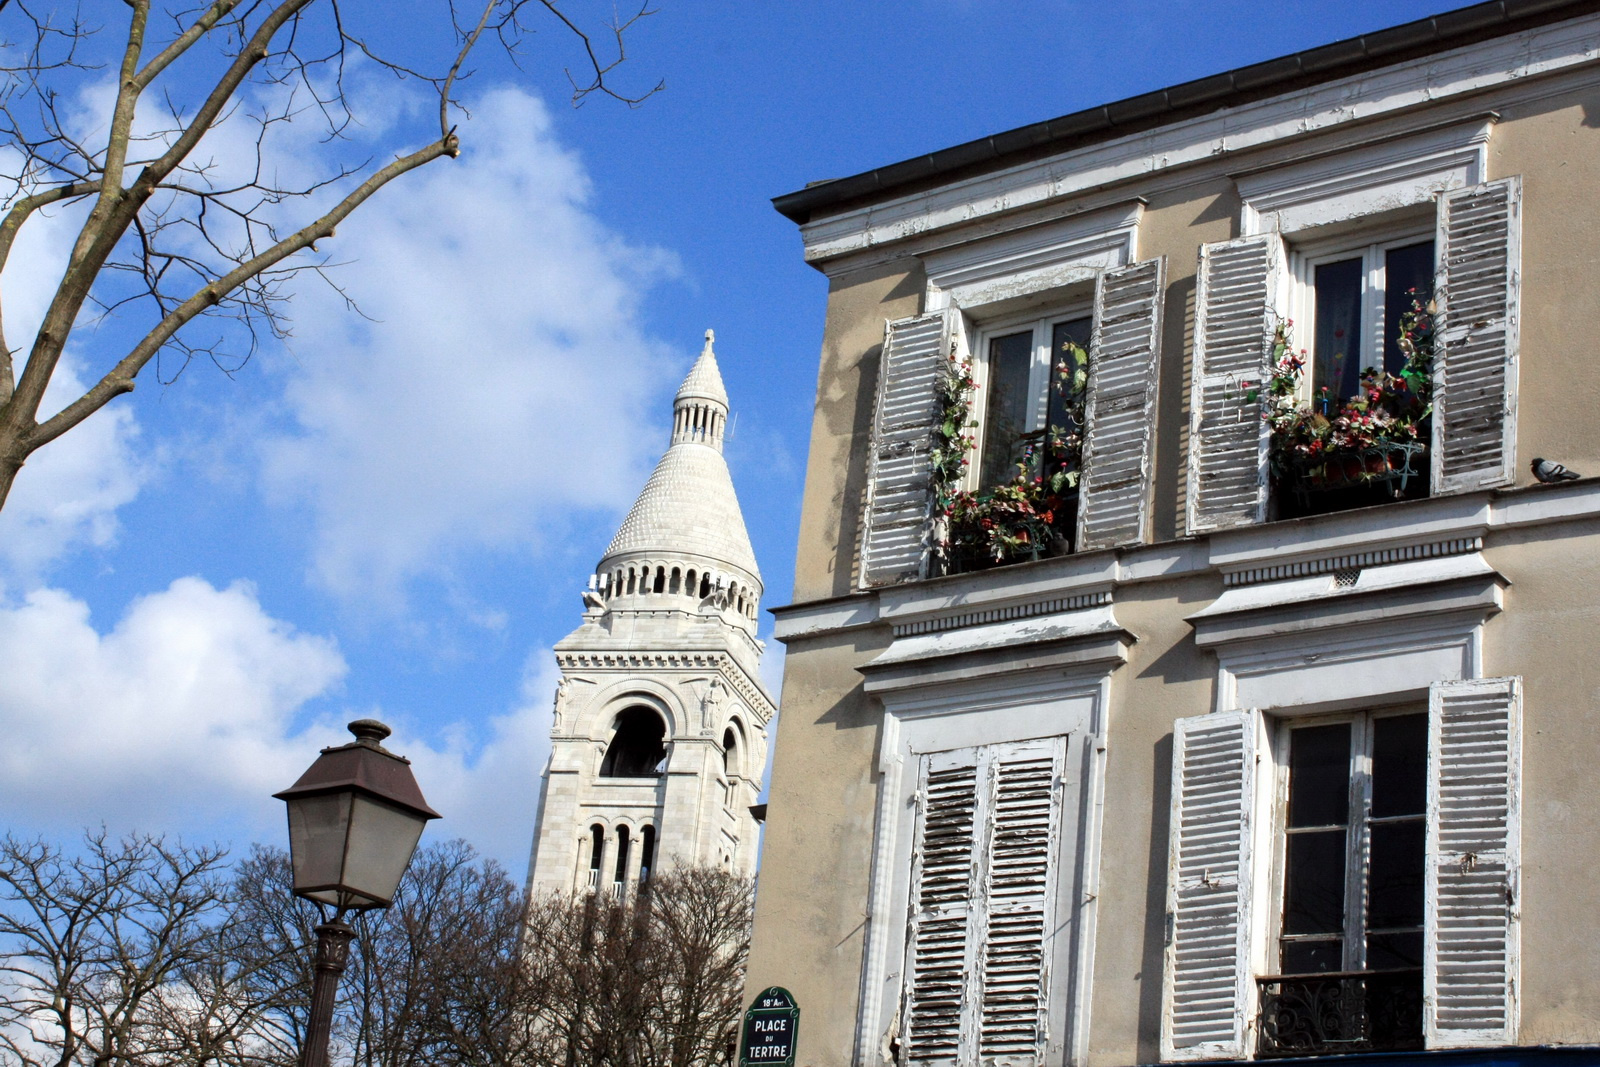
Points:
(1357, 298)
(1354, 845)
(1032, 415)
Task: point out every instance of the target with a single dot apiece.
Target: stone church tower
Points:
(660, 737)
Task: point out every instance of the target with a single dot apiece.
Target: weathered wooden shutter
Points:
(1208, 992)
(894, 544)
(1239, 290)
(982, 896)
(1026, 818)
(944, 883)
(1474, 761)
(1114, 500)
(1475, 355)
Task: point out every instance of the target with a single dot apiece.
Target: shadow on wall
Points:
(1153, 961)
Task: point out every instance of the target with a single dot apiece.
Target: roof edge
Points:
(1436, 33)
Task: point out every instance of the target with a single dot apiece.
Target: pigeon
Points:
(1546, 471)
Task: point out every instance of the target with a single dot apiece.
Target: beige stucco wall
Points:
(1546, 635)
(814, 877)
(811, 897)
(847, 379)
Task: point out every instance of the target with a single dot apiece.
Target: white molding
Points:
(1513, 63)
(1038, 259)
(1344, 185)
(1422, 529)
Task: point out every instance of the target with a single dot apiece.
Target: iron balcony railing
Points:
(1345, 1011)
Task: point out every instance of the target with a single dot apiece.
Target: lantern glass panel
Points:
(382, 839)
(317, 830)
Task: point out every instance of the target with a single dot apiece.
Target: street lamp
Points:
(355, 818)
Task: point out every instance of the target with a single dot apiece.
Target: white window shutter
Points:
(1208, 990)
(1114, 493)
(1478, 252)
(1019, 917)
(894, 544)
(1239, 290)
(982, 895)
(1473, 905)
(943, 885)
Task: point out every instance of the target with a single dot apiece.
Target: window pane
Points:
(1066, 394)
(1336, 352)
(1312, 957)
(1394, 950)
(1006, 415)
(1399, 766)
(1313, 883)
(1394, 875)
(1319, 775)
(1408, 274)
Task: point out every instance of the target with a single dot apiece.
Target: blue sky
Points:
(393, 515)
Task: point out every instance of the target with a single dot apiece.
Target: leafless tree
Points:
(196, 199)
(138, 953)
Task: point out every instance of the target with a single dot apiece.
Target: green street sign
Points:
(771, 1027)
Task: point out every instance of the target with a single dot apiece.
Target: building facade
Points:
(659, 735)
(1185, 662)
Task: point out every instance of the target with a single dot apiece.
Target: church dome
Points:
(688, 508)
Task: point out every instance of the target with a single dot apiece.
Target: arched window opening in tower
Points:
(677, 576)
(689, 582)
(597, 853)
(630, 581)
(638, 748)
(661, 579)
(705, 586)
(647, 852)
(730, 745)
(622, 860)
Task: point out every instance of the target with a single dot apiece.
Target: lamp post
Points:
(355, 818)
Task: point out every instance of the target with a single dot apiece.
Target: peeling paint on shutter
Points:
(1235, 313)
(1474, 760)
(1114, 506)
(1208, 989)
(982, 894)
(942, 891)
(894, 544)
(1475, 363)
(1011, 1027)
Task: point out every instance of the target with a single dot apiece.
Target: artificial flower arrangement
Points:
(1370, 438)
(1033, 514)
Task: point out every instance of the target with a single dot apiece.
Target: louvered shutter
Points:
(1239, 290)
(1475, 356)
(1026, 816)
(1208, 990)
(1114, 501)
(982, 895)
(1474, 761)
(938, 966)
(895, 539)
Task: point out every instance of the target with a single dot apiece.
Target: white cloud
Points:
(189, 713)
(506, 381)
(178, 717)
(67, 495)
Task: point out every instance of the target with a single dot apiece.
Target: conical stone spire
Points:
(688, 513)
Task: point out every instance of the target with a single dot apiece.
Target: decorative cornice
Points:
(1352, 561)
(725, 665)
(1096, 599)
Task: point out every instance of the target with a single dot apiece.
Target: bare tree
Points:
(92, 945)
(138, 953)
(177, 230)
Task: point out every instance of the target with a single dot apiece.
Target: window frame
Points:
(1358, 844)
(1371, 242)
(981, 334)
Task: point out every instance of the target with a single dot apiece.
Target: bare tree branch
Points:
(175, 230)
